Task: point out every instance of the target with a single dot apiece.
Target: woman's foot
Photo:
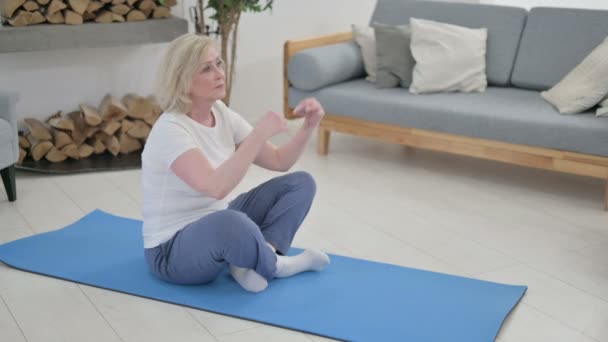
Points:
(309, 260)
(249, 279)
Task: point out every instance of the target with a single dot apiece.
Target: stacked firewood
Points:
(73, 12)
(115, 127)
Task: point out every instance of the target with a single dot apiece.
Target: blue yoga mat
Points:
(351, 299)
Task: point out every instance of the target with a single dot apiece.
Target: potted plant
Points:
(227, 15)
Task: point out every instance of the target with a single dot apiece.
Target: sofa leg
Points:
(323, 141)
(8, 178)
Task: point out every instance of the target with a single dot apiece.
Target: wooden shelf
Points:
(90, 35)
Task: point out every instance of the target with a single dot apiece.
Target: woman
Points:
(196, 154)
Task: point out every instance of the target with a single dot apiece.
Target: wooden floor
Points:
(375, 200)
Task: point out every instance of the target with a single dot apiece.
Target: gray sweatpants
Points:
(272, 212)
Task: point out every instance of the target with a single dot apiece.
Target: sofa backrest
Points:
(555, 40)
(504, 24)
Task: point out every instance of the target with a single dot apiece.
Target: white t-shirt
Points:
(169, 204)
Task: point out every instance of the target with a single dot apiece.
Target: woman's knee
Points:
(305, 181)
(235, 225)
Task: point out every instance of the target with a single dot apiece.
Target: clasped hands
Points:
(273, 123)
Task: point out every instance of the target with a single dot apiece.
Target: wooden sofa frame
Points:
(536, 157)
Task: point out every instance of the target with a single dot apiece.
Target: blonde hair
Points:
(182, 59)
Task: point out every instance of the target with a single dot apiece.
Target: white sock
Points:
(249, 279)
(309, 260)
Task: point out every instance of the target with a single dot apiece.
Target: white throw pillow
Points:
(584, 86)
(448, 57)
(366, 39)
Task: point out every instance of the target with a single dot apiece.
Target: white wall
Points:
(594, 4)
(48, 81)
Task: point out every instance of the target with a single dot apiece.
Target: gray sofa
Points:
(527, 52)
(9, 143)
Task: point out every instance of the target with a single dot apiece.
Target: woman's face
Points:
(208, 83)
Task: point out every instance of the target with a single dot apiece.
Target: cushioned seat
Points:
(505, 114)
(7, 136)
(526, 52)
(9, 142)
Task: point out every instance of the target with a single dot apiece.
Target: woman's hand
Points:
(285, 156)
(271, 124)
(311, 110)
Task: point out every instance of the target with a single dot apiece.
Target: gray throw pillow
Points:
(393, 57)
(364, 37)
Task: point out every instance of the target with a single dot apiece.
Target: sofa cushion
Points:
(504, 25)
(510, 115)
(555, 41)
(317, 67)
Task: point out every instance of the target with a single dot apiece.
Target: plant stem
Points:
(233, 52)
(201, 22)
